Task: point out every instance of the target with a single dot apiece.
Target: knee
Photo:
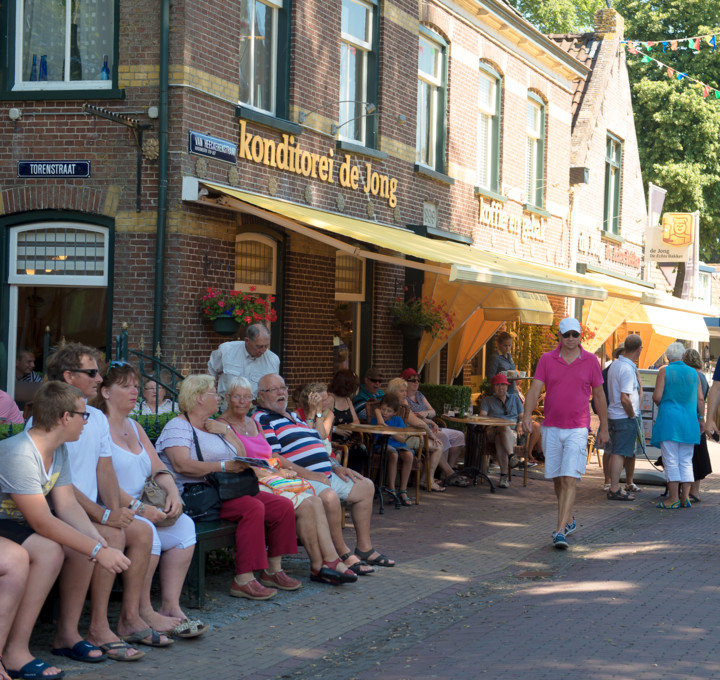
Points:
(115, 537)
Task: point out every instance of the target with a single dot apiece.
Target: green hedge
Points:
(439, 395)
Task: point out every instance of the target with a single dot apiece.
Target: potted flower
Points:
(230, 310)
(416, 316)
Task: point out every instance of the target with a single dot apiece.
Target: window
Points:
(358, 80)
(613, 166)
(431, 101)
(259, 21)
(62, 45)
(488, 128)
(534, 151)
(349, 293)
(255, 263)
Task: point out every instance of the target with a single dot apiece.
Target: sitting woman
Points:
(314, 408)
(14, 569)
(135, 459)
(387, 414)
(398, 387)
(340, 391)
(453, 441)
(310, 519)
(154, 401)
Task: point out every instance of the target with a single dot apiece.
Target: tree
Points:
(559, 16)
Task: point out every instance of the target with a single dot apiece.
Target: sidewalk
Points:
(479, 590)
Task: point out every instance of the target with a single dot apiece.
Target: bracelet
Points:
(141, 509)
(227, 429)
(135, 505)
(222, 466)
(105, 516)
(96, 550)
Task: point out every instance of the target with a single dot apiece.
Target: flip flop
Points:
(672, 506)
(80, 651)
(148, 637)
(122, 651)
(189, 628)
(33, 670)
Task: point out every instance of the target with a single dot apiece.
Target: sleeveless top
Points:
(255, 447)
(677, 419)
(131, 469)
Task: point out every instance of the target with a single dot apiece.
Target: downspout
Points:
(162, 173)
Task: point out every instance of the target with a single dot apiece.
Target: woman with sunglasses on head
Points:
(502, 361)
(134, 459)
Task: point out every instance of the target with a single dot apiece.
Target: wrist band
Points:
(141, 509)
(96, 550)
(135, 505)
(222, 465)
(105, 516)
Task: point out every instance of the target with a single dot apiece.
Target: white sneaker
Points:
(504, 482)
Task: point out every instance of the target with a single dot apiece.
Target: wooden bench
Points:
(210, 536)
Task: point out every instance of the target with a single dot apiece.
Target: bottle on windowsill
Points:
(43, 67)
(33, 70)
(105, 70)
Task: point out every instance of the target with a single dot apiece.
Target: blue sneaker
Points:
(559, 540)
(570, 528)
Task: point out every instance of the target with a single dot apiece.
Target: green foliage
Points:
(439, 395)
(559, 16)
(153, 424)
(10, 429)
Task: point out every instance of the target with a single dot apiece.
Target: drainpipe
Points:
(162, 173)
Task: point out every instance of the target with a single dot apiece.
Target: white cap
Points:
(569, 324)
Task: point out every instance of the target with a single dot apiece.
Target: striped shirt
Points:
(294, 440)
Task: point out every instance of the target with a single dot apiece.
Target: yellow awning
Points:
(458, 261)
(463, 346)
(490, 305)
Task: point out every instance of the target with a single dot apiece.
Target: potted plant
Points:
(230, 310)
(416, 316)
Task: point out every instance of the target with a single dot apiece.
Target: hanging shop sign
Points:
(672, 241)
(212, 147)
(40, 169)
(529, 227)
(289, 157)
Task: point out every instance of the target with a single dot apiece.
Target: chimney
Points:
(608, 23)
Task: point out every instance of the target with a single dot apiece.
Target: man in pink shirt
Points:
(570, 376)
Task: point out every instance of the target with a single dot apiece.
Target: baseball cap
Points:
(499, 379)
(569, 324)
(408, 373)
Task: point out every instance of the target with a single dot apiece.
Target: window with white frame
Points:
(349, 293)
(64, 44)
(349, 277)
(356, 69)
(259, 22)
(488, 128)
(534, 151)
(613, 168)
(255, 263)
(430, 101)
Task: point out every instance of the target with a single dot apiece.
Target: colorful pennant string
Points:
(693, 43)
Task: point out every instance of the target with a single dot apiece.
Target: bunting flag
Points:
(712, 42)
(692, 43)
(672, 73)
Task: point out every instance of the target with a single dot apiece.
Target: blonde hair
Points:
(191, 388)
(395, 385)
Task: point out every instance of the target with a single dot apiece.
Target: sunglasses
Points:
(375, 380)
(92, 372)
(412, 380)
(571, 334)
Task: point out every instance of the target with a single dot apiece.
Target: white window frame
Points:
(433, 82)
(57, 279)
(21, 85)
(534, 153)
(487, 127)
(276, 6)
(352, 297)
(267, 241)
(349, 101)
(613, 181)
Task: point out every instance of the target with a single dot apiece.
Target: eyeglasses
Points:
(85, 414)
(92, 372)
(241, 397)
(571, 334)
(214, 394)
(413, 380)
(276, 389)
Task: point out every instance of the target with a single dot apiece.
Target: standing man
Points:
(624, 419)
(251, 359)
(570, 376)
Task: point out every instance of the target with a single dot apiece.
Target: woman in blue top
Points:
(502, 360)
(676, 429)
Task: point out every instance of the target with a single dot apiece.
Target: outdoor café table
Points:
(475, 448)
(384, 433)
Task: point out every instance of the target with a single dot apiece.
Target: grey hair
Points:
(254, 331)
(675, 351)
(238, 382)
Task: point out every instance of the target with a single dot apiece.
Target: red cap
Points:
(408, 373)
(499, 379)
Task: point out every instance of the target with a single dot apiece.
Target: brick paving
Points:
(479, 591)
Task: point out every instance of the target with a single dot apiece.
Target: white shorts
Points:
(178, 535)
(340, 487)
(565, 451)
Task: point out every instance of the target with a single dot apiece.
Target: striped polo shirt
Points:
(294, 440)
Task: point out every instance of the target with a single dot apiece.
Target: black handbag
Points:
(203, 500)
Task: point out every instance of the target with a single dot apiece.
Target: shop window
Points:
(534, 151)
(613, 167)
(358, 72)
(263, 50)
(430, 133)
(64, 46)
(349, 293)
(488, 128)
(255, 263)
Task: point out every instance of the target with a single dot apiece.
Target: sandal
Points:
(404, 501)
(672, 506)
(189, 628)
(456, 480)
(361, 567)
(694, 498)
(633, 487)
(380, 561)
(118, 651)
(619, 496)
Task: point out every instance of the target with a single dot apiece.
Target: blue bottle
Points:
(43, 67)
(33, 70)
(105, 71)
